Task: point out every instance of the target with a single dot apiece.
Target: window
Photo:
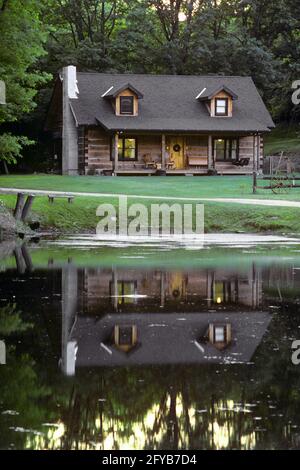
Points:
(221, 106)
(127, 148)
(126, 292)
(126, 105)
(219, 334)
(125, 337)
(225, 291)
(226, 149)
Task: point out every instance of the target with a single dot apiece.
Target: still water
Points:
(148, 347)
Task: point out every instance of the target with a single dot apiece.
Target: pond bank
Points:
(9, 227)
(220, 217)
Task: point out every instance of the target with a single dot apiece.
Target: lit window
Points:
(127, 148)
(226, 149)
(221, 106)
(125, 337)
(219, 334)
(126, 292)
(126, 105)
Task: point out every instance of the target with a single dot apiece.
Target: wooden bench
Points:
(197, 160)
(51, 197)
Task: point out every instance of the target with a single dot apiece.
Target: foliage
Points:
(233, 37)
(11, 321)
(21, 46)
(11, 146)
(250, 37)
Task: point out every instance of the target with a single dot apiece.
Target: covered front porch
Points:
(187, 154)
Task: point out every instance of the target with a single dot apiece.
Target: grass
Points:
(219, 217)
(283, 139)
(179, 186)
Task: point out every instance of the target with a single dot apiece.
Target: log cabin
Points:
(136, 124)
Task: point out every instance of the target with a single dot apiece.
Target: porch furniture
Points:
(195, 160)
(149, 163)
(107, 172)
(170, 164)
(242, 162)
(51, 197)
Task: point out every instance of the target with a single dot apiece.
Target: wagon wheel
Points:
(281, 184)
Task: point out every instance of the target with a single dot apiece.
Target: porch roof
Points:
(170, 104)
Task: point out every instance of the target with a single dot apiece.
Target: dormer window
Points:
(218, 101)
(220, 335)
(124, 99)
(127, 105)
(125, 337)
(221, 106)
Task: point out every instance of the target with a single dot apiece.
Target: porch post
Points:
(163, 152)
(258, 152)
(254, 153)
(115, 151)
(210, 153)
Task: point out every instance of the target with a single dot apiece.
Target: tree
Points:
(82, 32)
(22, 38)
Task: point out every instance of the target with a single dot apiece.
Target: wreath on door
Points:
(176, 148)
(176, 293)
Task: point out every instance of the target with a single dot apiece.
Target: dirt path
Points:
(252, 202)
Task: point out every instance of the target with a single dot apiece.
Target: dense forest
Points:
(260, 38)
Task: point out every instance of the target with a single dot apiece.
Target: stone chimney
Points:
(70, 126)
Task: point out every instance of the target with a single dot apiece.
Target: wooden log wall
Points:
(96, 150)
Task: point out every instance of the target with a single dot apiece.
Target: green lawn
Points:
(286, 139)
(179, 186)
(219, 217)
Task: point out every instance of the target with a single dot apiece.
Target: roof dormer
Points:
(219, 101)
(124, 99)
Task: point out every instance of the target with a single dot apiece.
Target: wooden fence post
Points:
(254, 182)
(19, 206)
(27, 207)
(27, 258)
(20, 262)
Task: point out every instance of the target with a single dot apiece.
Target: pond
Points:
(127, 346)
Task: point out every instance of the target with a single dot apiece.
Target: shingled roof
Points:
(169, 103)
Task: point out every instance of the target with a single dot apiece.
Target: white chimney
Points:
(70, 132)
(70, 74)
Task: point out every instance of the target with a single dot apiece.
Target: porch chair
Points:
(170, 164)
(149, 163)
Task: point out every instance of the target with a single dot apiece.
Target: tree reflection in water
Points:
(174, 406)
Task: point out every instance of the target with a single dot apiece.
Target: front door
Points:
(177, 151)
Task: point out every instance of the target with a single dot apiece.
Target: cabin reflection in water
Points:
(130, 290)
(124, 317)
